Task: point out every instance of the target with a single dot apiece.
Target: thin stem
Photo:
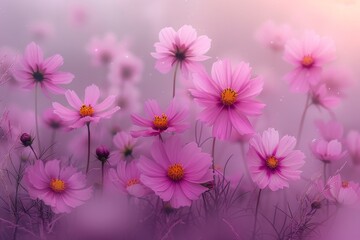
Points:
(324, 175)
(102, 175)
(53, 137)
(32, 149)
(256, 213)
(88, 147)
(37, 118)
(213, 157)
(174, 79)
(302, 121)
(16, 213)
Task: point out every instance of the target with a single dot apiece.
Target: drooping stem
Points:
(174, 79)
(37, 118)
(256, 213)
(32, 149)
(302, 121)
(213, 157)
(88, 147)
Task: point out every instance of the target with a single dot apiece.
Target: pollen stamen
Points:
(86, 110)
(228, 96)
(160, 122)
(57, 185)
(132, 182)
(272, 162)
(175, 172)
(345, 184)
(307, 61)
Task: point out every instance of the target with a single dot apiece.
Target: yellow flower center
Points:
(86, 110)
(228, 96)
(175, 172)
(272, 162)
(307, 61)
(132, 182)
(57, 185)
(345, 184)
(160, 122)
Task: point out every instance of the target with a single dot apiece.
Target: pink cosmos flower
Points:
(126, 178)
(353, 144)
(341, 191)
(127, 148)
(327, 151)
(176, 171)
(125, 68)
(307, 55)
(127, 98)
(103, 51)
(62, 188)
(182, 48)
(330, 130)
(33, 69)
(86, 111)
(273, 36)
(273, 161)
(158, 121)
(41, 30)
(228, 98)
(321, 97)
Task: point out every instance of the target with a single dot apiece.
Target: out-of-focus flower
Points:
(321, 97)
(307, 55)
(127, 98)
(183, 48)
(341, 191)
(127, 148)
(41, 30)
(102, 153)
(327, 151)
(103, 50)
(26, 139)
(158, 121)
(125, 68)
(86, 111)
(336, 79)
(272, 161)
(176, 171)
(33, 69)
(62, 188)
(330, 130)
(78, 15)
(353, 144)
(228, 98)
(8, 60)
(273, 36)
(52, 119)
(126, 178)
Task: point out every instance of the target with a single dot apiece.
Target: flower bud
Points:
(26, 139)
(102, 153)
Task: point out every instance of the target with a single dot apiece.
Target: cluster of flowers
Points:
(155, 157)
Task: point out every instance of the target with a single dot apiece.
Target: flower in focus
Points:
(158, 121)
(307, 55)
(176, 171)
(228, 98)
(182, 48)
(327, 151)
(126, 178)
(33, 69)
(330, 130)
(62, 188)
(272, 161)
(341, 191)
(353, 144)
(86, 111)
(273, 36)
(125, 68)
(103, 50)
(126, 148)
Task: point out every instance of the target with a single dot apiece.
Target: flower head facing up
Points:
(86, 111)
(341, 191)
(34, 69)
(327, 151)
(228, 98)
(273, 161)
(175, 171)
(62, 188)
(307, 55)
(182, 48)
(126, 178)
(158, 121)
